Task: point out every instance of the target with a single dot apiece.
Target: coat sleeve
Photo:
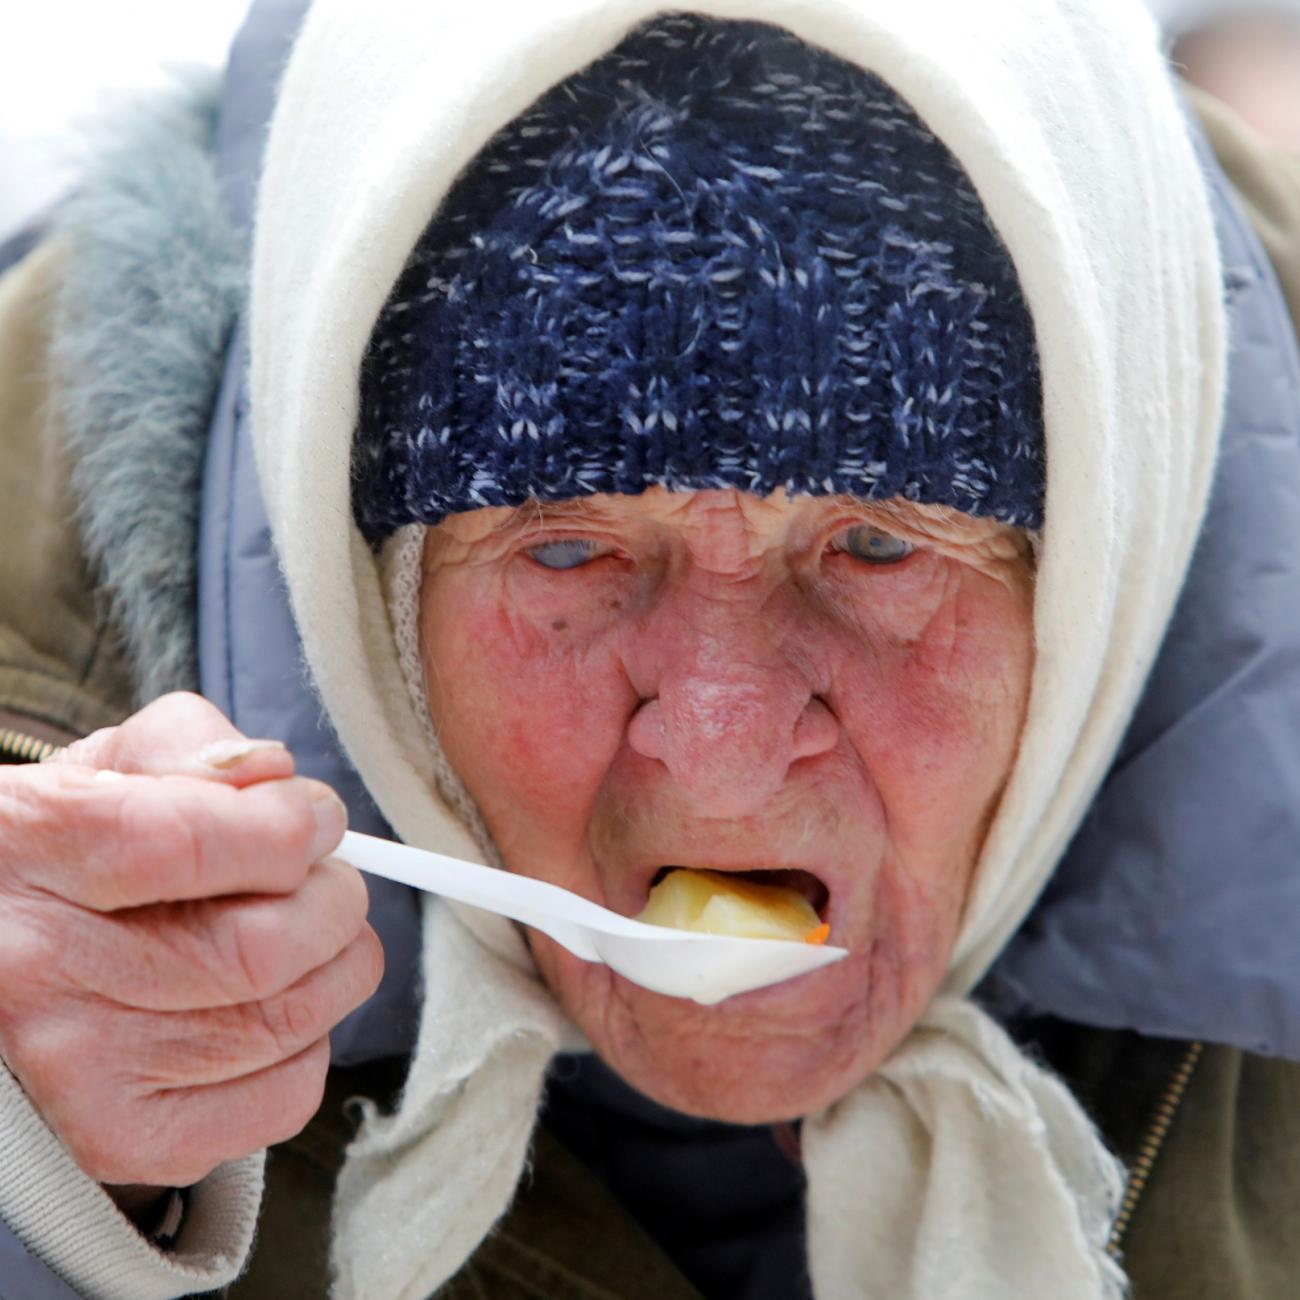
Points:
(60, 1233)
(54, 1212)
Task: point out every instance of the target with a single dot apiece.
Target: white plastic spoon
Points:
(703, 967)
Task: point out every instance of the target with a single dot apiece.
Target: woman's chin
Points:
(775, 1054)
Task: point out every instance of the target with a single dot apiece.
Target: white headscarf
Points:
(959, 1169)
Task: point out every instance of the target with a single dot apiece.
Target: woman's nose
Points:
(730, 741)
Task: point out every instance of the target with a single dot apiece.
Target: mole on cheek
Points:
(559, 625)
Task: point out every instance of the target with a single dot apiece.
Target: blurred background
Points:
(62, 60)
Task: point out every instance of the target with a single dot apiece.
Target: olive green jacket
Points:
(1211, 1135)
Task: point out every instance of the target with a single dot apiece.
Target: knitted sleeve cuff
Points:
(69, 1222)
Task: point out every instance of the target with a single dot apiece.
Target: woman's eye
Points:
(864, 542)
(569, 554)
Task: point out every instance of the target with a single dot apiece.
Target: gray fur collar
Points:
(152, 287)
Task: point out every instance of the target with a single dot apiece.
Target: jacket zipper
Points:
(1152, 1144)
(17, 746)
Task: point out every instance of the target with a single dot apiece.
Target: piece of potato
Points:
(713, 902)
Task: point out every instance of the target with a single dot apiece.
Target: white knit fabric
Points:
(421, 1189)
(962, 1171)
(69, 1221)
(959, 1170)
(401, 568)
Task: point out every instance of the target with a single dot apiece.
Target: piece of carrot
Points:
(819, 935)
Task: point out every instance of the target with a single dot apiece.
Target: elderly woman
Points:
(780, 453)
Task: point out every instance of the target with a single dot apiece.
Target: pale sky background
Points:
(60, 58)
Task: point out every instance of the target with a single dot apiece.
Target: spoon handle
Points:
(546, 907)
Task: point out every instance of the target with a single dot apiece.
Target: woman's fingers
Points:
(181, 734)
(160, 1098)
(179, 1136)
(146, 1053)
(174, 948)
(204, 953)
(196, 1048)
(107, 842)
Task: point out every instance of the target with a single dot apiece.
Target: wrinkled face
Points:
(711, 679)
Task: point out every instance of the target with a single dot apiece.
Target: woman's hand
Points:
(174, 944)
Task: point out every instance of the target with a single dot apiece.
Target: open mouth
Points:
(801, 882)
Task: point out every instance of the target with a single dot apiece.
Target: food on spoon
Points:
(714, 902)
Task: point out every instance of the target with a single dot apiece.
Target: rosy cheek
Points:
(581, 602)
(889, 606)
(935, 715)
(508, 719)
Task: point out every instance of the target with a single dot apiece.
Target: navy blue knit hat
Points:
(717, 257)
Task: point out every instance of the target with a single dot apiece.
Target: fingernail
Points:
(331, 820)
(224, 754)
